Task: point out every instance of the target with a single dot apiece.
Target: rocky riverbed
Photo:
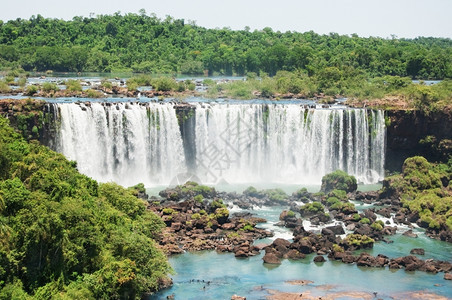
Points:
(198, 218)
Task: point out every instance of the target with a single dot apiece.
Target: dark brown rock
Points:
(418, 251)
(319, 259)
(410, 233)
(294, 254)
(271, 258)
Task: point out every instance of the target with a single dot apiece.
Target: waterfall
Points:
(237, 143)
(287, 143)
(124, 143)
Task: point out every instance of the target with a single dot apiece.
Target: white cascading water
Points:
(236, 143)
(287, 143)
(124, 143)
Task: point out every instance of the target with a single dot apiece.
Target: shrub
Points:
(106, 84)
(31, 90)
(49, 87)
(4, 87)
(164, 84)
(90, 93)
(73, 85)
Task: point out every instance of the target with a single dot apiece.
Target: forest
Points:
(144, 43)
(65, 236)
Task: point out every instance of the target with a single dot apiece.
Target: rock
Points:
(385, 212)
(370, 215)
(228, 226)
(448, 276)
(381, 260)
(327, 232)
(294, 254)
(413, 217)
(240, 253)
(293, 222)
(319, 259)
(366, 260)
(410, 233)
(284, 214)
(281, 242)
(304, 246)
(418, 251)
(271, 258)
(337, 229)
(348, 258)
(235, 297)
(363, 229)
(351, 226)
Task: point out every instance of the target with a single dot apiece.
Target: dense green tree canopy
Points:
(63, 235)
(141, 43)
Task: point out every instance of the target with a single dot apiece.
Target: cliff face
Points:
(25, 115)
(409, 133)
(415, 133)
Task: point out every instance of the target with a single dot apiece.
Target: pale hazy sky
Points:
(383, 18)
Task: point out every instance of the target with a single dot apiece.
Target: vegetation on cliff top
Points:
(63, 235)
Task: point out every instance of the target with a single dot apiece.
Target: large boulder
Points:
(339, 180)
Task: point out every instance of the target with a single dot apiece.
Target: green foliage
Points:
(73, 85)
(49, 87)
(365, 221)
(195, 216)
(420, 187)
(251, 191)
(4, 87)
(31, 90)
(377, 225)
(359, 241)
(164, 84)
(106, 84)
(312, 208)
(168, 211)
(217, 203)
(330, 201)
(199, 198)
(290, 214)
(147, 44)
(64, 235)
(276, 195)
(90, 93)
(339, 194)
(338, 180)
(248, 227)
(345, 207)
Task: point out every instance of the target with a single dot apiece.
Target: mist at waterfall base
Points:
(238, 143)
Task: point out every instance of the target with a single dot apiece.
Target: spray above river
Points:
(155, 143)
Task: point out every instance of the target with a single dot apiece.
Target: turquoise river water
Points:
(211, 275)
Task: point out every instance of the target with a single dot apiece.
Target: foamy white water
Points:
(130, 143)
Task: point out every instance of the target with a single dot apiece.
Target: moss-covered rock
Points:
(358, 241)
(338, 180)
(311, 209)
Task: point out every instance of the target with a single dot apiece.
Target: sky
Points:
(379, 18)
